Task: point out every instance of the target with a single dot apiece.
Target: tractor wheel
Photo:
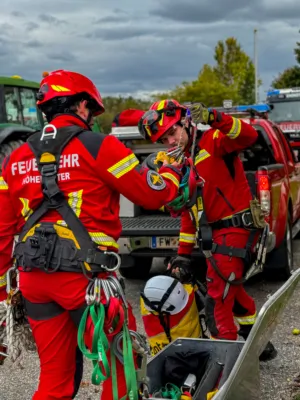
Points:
(7, 148)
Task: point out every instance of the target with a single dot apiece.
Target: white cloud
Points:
(134, 47)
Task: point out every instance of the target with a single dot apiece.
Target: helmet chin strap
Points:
(89, 118)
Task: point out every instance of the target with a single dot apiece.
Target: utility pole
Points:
(255, 67)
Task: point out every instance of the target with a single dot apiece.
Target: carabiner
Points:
(9, 288)
(115, 267)
(89, 297)
(97, 290)
(106, 290)
(118, 289)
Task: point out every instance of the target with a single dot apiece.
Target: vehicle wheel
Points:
(281, 260)
(139, 270)
(7, 148)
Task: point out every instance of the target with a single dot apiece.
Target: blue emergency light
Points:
(263, 108)
(274, 92)
(256, 107)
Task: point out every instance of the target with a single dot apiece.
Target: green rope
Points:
(183, 198)
(100, 343)
(100, 346)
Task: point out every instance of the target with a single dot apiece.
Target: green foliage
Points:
(114, 105)
(232, 77)
(290, 77)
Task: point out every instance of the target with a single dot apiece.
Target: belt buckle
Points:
(244, 218)
(236, 223)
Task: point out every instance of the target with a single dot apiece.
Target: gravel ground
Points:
(276, 375)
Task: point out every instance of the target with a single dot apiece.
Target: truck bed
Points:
(150, 225)
(164, 225)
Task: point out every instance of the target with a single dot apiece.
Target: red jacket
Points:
(94, 170)
(223, 195)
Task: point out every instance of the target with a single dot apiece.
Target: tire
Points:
(281, 260)
(7, 148)
(139, 270)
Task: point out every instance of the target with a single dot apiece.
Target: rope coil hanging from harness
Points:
(15, 333)
(110, 290)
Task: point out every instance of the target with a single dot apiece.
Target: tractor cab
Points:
(18, 103)
(19, 116)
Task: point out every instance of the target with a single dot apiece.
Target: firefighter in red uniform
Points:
(225, 198)
(93, 169)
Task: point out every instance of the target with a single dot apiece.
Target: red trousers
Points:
(224, 302)
(56, 337)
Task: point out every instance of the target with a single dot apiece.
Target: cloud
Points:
(138, 47)
(34, 43)
(63, 56)
(203, 12)
(31, 26)
(50, 19)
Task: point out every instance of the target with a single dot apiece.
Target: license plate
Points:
(162, 242)
(295, 135)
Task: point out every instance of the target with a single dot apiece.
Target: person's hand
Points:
(174, 164)
(201, 114)
(180, 268)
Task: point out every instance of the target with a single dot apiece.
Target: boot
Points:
(268, 354)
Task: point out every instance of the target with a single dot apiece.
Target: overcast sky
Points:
(134, 46)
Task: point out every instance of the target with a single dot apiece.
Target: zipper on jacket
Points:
(224, 198)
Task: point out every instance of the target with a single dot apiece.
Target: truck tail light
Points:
(264, 192)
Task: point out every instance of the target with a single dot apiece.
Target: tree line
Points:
(231, 77)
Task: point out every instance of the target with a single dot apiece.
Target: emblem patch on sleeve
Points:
(155, 181)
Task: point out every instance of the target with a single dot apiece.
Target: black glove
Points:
(180, 268)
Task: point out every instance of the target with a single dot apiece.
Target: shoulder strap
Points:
(47, 147)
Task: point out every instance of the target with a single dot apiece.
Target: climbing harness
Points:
(108, 309)
(15, 333)
(57, 247)
(253, 220)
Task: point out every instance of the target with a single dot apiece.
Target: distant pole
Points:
(255, 67)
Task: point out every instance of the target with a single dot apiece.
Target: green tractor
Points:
(19, 116)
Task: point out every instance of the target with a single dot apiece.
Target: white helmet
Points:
(166, 294)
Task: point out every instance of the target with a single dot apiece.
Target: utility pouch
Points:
(257, 214)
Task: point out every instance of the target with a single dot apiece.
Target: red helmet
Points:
(61, 83)
(129, 117)
(161, 116)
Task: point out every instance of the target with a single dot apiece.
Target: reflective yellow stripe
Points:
(123, 166)
(216, 134)
(161, 105)
(236, 129)
(148, 130)
(248, 320)
(3, 280)
(3, 184)
(75, 202)
(26, 210)
(202, 155)
(187, 237)
(58, 88)
(103, 240)
(171, 177)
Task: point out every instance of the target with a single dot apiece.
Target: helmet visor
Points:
(149, 121)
